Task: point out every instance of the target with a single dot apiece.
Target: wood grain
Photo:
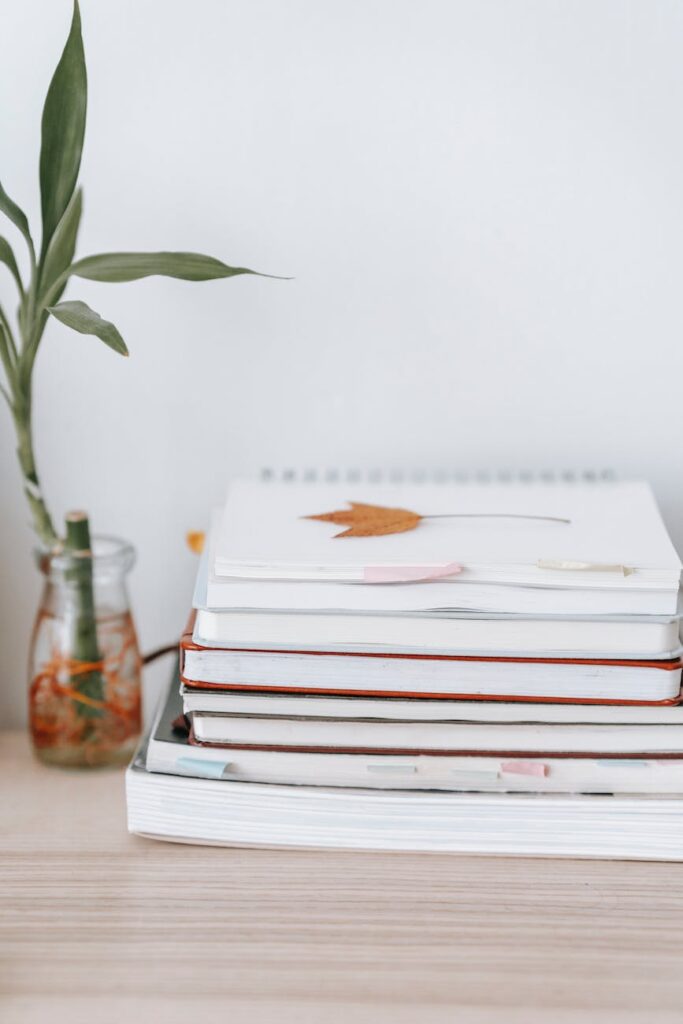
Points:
(99, 925)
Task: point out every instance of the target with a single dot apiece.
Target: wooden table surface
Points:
(99, 926)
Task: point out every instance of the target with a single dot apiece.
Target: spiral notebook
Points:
(547, 545)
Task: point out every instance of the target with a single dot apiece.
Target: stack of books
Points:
(468, 666)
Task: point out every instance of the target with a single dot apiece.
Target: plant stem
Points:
(18, 366)
(7, 338)
(85, 646)
(6, 354)
(42, 521)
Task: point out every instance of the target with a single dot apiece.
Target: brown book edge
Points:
(282, 748)
(667, 665)
(193, 684)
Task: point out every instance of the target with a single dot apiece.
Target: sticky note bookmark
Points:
(536, 768)
(409, 573)
(205, 769)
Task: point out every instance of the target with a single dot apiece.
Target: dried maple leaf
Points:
(370, 520)
(195, 541)
(376, 520)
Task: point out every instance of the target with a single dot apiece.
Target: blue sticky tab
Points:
(198, 766)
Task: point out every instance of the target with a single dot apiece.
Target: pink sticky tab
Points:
(524, 768)
(408, 573)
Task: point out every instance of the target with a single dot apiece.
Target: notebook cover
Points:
(265, 531)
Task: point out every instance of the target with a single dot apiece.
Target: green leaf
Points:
(41, 518)
(60, 251)
(7, 354)
(63, 128)
(7, 257)
(80, 317)
(15, 214)
(131, 266)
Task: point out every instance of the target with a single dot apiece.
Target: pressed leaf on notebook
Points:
(377, 520)
(370, 520)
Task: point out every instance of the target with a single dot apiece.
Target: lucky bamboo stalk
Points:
(50, 270)
(42, 521)
(85, 647)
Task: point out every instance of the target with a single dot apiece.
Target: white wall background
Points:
(481, 202)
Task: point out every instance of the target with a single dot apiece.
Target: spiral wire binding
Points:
(438, 476)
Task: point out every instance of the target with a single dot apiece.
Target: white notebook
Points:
(217, 703)
(614, 528)
(646, 637)
(416, 676)
(565, 548)
(319, 735)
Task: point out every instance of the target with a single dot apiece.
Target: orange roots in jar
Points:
(54, 700)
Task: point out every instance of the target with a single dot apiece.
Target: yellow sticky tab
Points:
(549, 563)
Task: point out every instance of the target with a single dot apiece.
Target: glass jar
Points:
(85, 670)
